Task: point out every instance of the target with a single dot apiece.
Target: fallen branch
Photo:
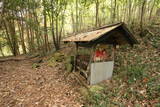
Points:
(18, 59)
(80, 80)
(11, 59)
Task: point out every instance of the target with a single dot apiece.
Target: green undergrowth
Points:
(119, 93)
(56, 58)
(62, 59)
(95, 96)
(35, 65)
(135, 73)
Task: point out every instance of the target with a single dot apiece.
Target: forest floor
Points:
(25, 84)
(43, 82)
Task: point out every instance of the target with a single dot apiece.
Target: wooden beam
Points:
(75, 56)
(89, 65)
(113, 52)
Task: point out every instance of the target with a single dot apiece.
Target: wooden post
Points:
(113, 53)
(89, 65)
(76, 51)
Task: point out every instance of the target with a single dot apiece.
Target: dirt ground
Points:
(21, 85)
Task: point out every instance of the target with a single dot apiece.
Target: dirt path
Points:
(23, 86)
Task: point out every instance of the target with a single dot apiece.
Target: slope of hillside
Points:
(136, 78)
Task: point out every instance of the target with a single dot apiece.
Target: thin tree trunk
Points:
(113, 10)
(129, 11)
(77, 21)
(8, 37)
(150, 15)
(11, 26)
(97, 14)
(73, 22)
(21, 32)
(45, 26)
(52, 24)
(60, 33)
(32, 39)
(142, 14)
(28, 38)
(38, 33)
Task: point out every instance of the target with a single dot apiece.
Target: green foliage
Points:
(52, 62)
(133, 92)
(97, 99)
(135, 72)
(157, 105)
(68, 65)
(56, 58)
(59, 57)
(153, 87)
(65, 16)
(95, 96)
(96, 88)
(156, 41)
(35, 65)
(3, 41)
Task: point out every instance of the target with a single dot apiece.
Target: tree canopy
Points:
(29, 26)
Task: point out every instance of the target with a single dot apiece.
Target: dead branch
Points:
(18, 59)
(80, 80)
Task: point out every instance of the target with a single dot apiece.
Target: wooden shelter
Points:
(97, 65)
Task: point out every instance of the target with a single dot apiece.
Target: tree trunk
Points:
(52, 25)
(38, 33)
(45, 26)
(97, 14)
(77, 21)
(21, 32)
(129, 11)
(73, 22)
(150, 15)
(142, 14)
(12, 34)
(28, 38)
(115, 5)
(8, 37)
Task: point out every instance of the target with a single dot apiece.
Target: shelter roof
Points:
(112, 34)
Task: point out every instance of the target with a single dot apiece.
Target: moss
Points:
(58, 57)
(55, 59)
(96, 88)
(35, 65)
